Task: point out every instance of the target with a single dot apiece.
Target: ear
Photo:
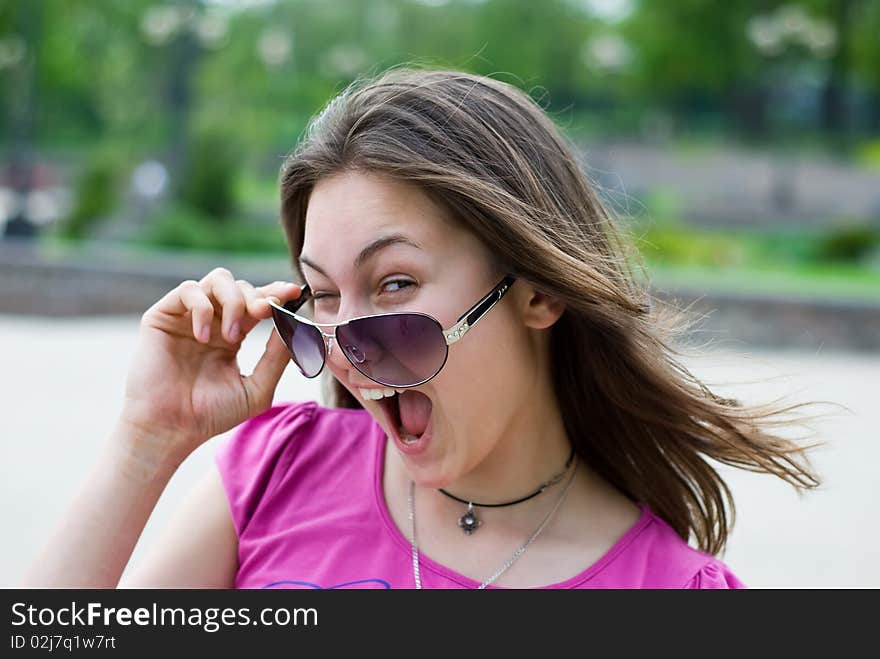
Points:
(539, 309)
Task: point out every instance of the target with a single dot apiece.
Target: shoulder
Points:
(290, 425)
(715, 575)
(688, 567)
(289, 442)
(266, 433)
(652, 555)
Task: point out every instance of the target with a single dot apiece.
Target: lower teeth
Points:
(407, 437)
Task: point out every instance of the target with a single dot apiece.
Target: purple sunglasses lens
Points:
(304, 342)
(397, 350)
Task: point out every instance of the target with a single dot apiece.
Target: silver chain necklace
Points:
(510, 561)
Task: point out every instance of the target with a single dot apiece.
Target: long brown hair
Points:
(490, 155)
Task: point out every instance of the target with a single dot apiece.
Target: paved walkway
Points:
(63, 383)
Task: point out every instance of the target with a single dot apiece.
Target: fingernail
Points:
(234, 331)
(205, 334)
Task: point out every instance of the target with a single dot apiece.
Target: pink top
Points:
(304, 484)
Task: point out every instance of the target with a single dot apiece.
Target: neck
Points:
(532, 448)
(544, 485)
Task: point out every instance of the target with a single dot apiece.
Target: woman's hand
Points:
(184, 385)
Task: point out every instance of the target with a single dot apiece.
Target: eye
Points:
(401, 284)
(406, 283)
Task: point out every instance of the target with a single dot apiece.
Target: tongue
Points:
(415, 410)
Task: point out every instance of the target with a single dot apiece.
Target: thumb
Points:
(262, 382)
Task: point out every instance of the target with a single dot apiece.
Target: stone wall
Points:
(104, 280)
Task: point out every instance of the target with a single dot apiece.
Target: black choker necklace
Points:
(469, 522)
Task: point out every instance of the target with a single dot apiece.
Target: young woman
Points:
(505, 407)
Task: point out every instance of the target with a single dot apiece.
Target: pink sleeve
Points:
(715, 575)
(253, 459)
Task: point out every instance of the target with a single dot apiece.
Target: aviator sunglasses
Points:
(401, 349)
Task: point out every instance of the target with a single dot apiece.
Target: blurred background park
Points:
(739, 141)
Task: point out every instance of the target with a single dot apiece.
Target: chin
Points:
(428, 482)
(430, 475)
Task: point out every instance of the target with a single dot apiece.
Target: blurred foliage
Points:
(868, 154)
(181, 227)
(688, 247)
(208, 180)
(220, 91)
(831, 281)
(849, 243)
(663, 207)
(96, 191)
(261, 69)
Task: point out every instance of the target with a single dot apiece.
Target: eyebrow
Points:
(369, 251)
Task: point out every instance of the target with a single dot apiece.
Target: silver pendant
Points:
(469, 522)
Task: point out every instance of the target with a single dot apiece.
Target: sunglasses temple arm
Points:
(294, 305)
(480, 309)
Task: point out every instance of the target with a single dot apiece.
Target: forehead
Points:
(349, 210)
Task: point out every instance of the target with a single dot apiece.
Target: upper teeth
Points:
(376, 394)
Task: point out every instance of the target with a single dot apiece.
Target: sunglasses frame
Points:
(452, 334)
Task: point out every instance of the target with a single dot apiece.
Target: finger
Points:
(220, 284)
(256, 300)
(279, 292)
(283, 291)
(261, 384)
(194, 298)
(188, 296)
(255, 304)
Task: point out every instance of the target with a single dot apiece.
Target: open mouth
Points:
(391, 407)
(410, 427)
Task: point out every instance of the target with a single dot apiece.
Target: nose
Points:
(335, 359)
(329, 340)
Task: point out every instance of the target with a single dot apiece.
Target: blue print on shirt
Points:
(365, 584)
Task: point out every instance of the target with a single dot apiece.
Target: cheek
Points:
(485, 371)
(478, 389)
(342, 377)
